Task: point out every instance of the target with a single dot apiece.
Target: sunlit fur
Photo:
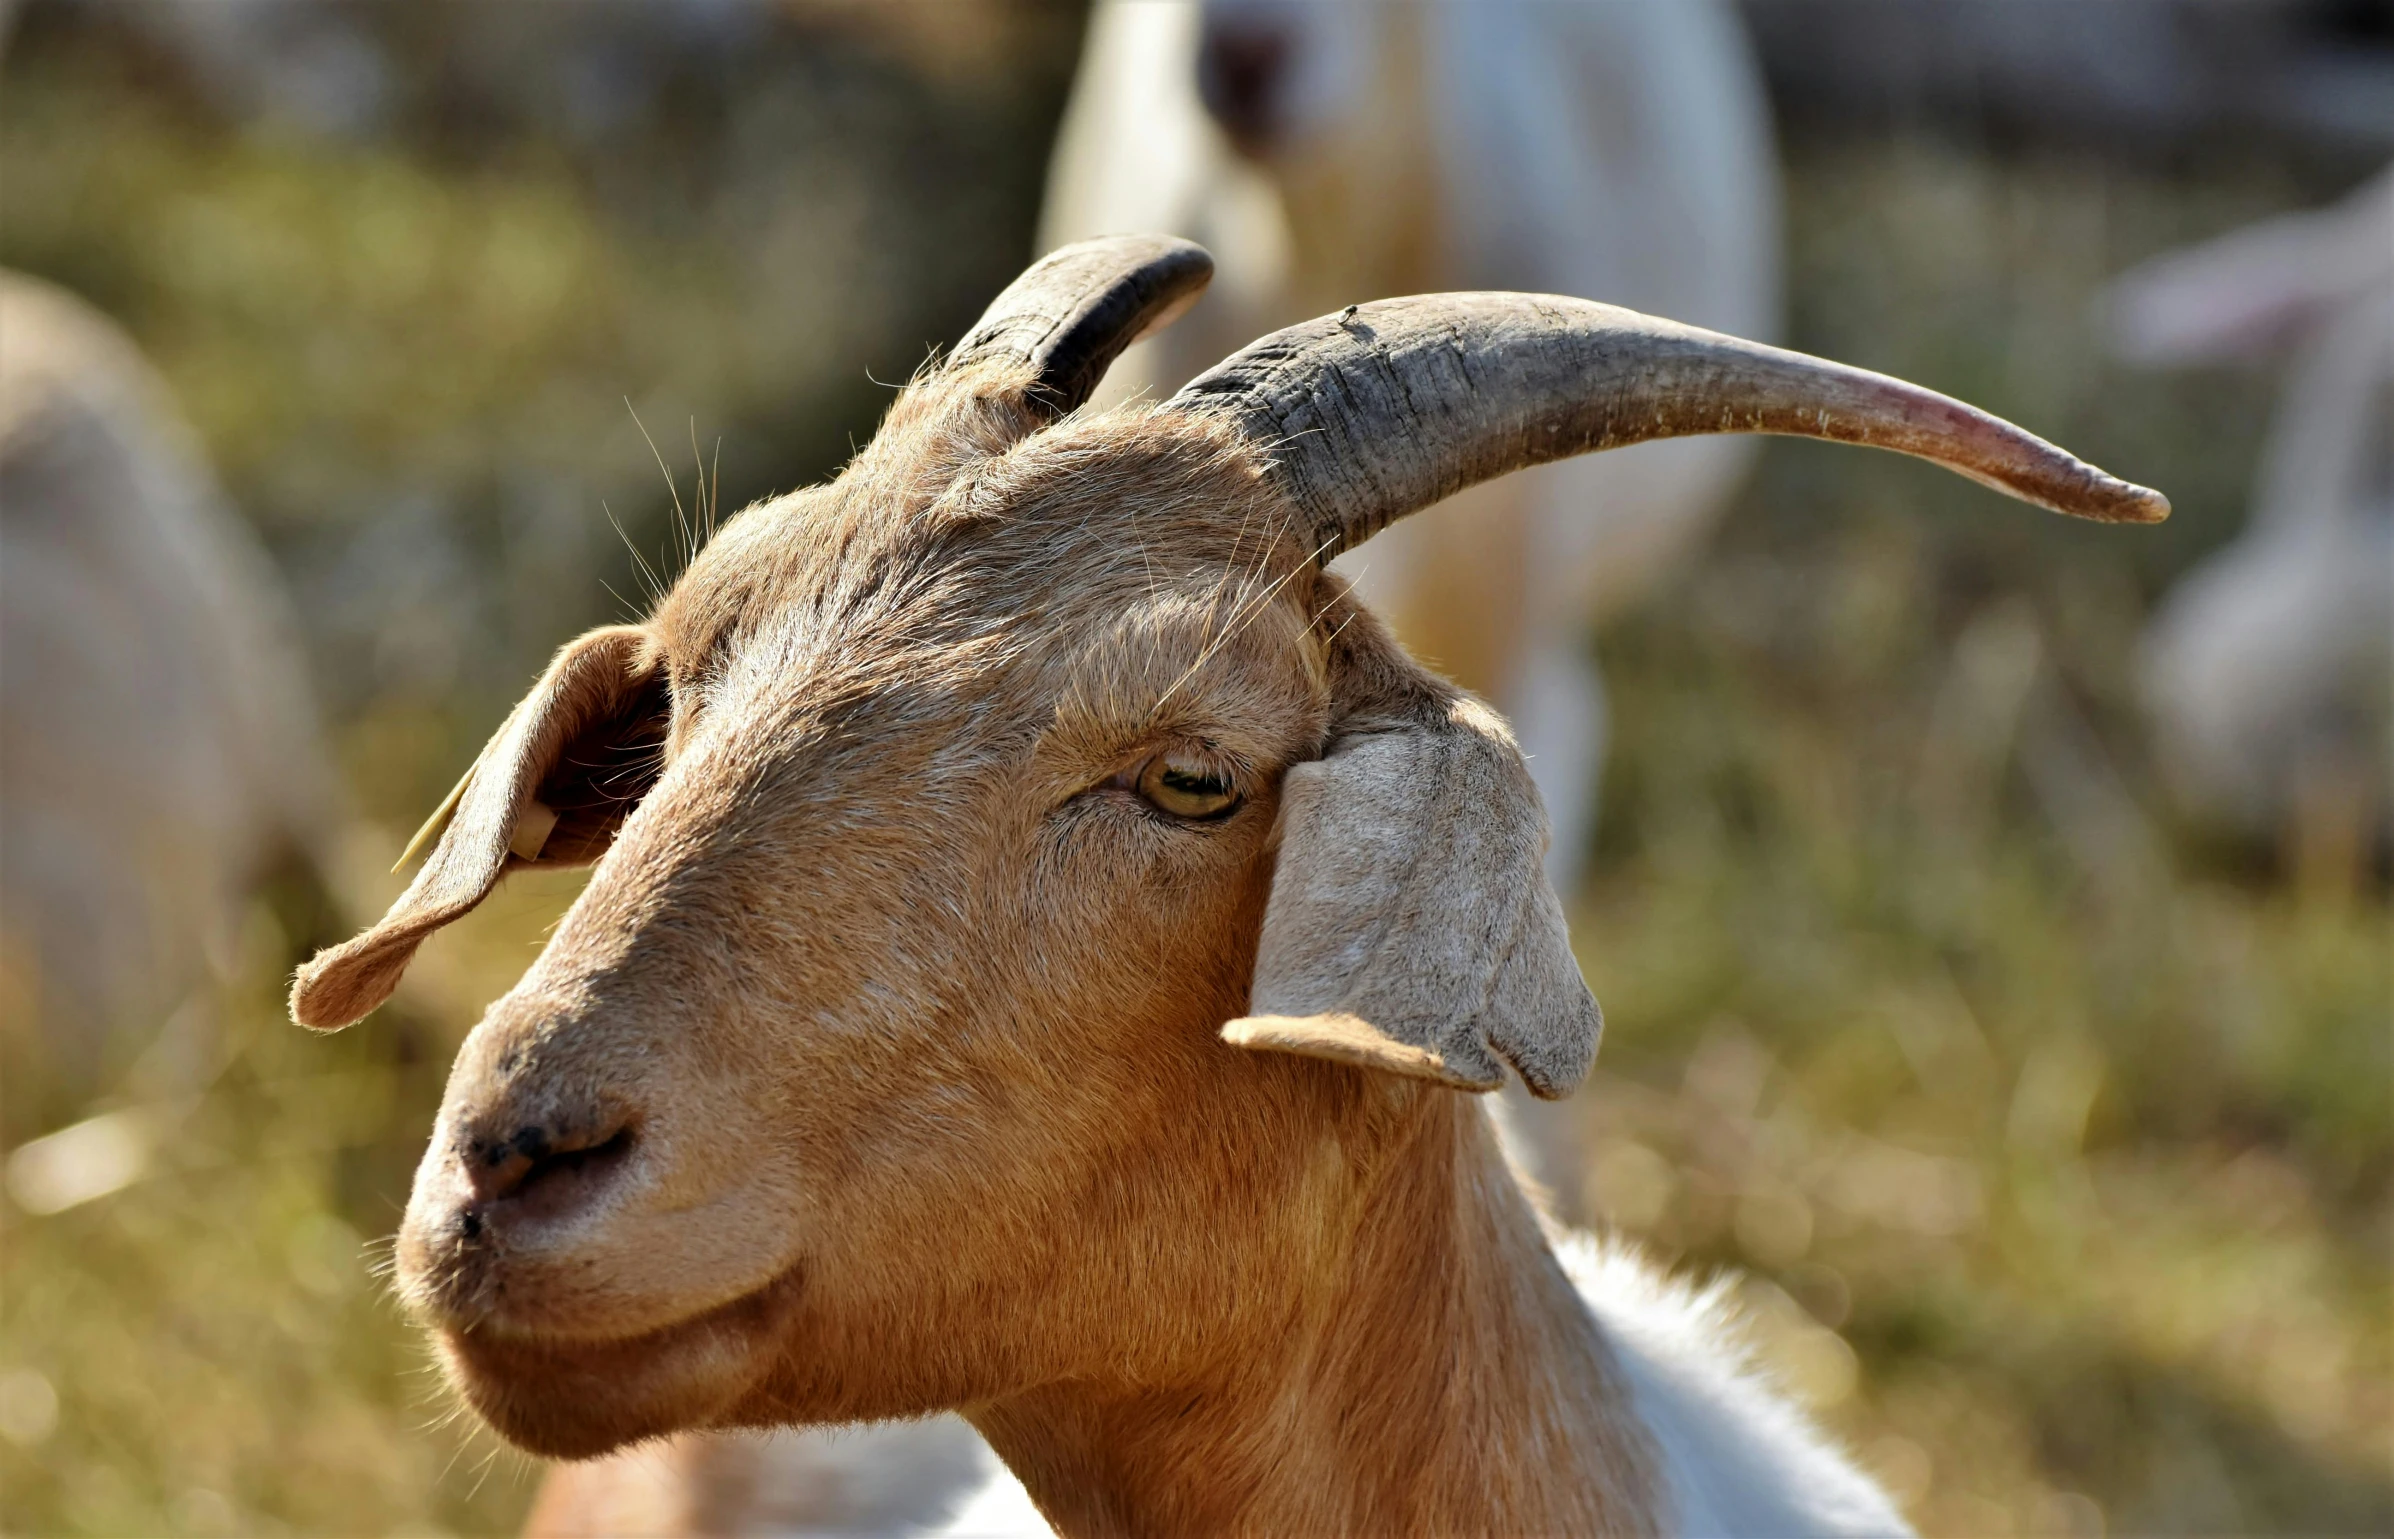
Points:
(914, 1024)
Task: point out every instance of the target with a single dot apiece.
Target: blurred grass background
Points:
(1923, 1009)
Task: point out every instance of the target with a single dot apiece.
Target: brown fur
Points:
(884, 1048)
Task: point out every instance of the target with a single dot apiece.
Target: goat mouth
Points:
(576, 1396)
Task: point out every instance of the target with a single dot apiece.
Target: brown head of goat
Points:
(946, 813)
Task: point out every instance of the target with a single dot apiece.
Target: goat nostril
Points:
(512, 1167)
(1239, 73)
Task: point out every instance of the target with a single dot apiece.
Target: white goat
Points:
(1042, 925)
(2267, 667)
(158, 745)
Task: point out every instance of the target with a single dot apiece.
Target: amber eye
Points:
(1184, 787)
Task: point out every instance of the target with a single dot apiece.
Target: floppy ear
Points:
(549, 789)
(1411, 926)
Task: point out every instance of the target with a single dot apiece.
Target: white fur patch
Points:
(1737, 1456)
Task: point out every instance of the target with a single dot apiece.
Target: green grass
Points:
(224, 1357)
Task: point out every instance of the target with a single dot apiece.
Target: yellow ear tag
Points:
(440, 815)
(532, 830)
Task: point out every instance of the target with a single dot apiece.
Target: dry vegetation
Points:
(1921, 1009)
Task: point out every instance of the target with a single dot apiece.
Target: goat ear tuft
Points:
(1411, 927)
(550, 788)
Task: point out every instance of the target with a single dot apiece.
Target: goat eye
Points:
(1184, 788)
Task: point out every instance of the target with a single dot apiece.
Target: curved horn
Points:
(1385, 408)
(1073, 311)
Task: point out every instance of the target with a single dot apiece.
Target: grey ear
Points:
(550, 788)
(1411, 927)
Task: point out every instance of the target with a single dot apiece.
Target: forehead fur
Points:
(966, 523)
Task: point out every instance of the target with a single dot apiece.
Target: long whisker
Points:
(649, 580)
(1245, 616)
(681, 520)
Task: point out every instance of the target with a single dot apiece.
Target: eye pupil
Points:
(1185, 790)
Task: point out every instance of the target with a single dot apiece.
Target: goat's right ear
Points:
(550, 788)
(1411, 927)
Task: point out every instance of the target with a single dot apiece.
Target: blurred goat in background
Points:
(2267, 667)
(1329, 154)
(158, 742)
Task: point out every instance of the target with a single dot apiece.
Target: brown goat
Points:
(944, 815)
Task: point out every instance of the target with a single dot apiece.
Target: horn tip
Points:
(2093, 495)
(2134, 504)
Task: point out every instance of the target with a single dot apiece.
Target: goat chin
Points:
(576, 1399)
(1733, 1456)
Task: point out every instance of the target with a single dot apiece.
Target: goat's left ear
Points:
(1411, 927)
(550, 789)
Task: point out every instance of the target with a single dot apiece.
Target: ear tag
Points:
(532, 830)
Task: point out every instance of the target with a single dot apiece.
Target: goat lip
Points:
(488, 1315)
(574, 1396)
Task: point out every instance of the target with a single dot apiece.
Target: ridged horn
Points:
(1073, 311)
(1386, 408)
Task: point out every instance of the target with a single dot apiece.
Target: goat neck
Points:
(1439, 1376)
